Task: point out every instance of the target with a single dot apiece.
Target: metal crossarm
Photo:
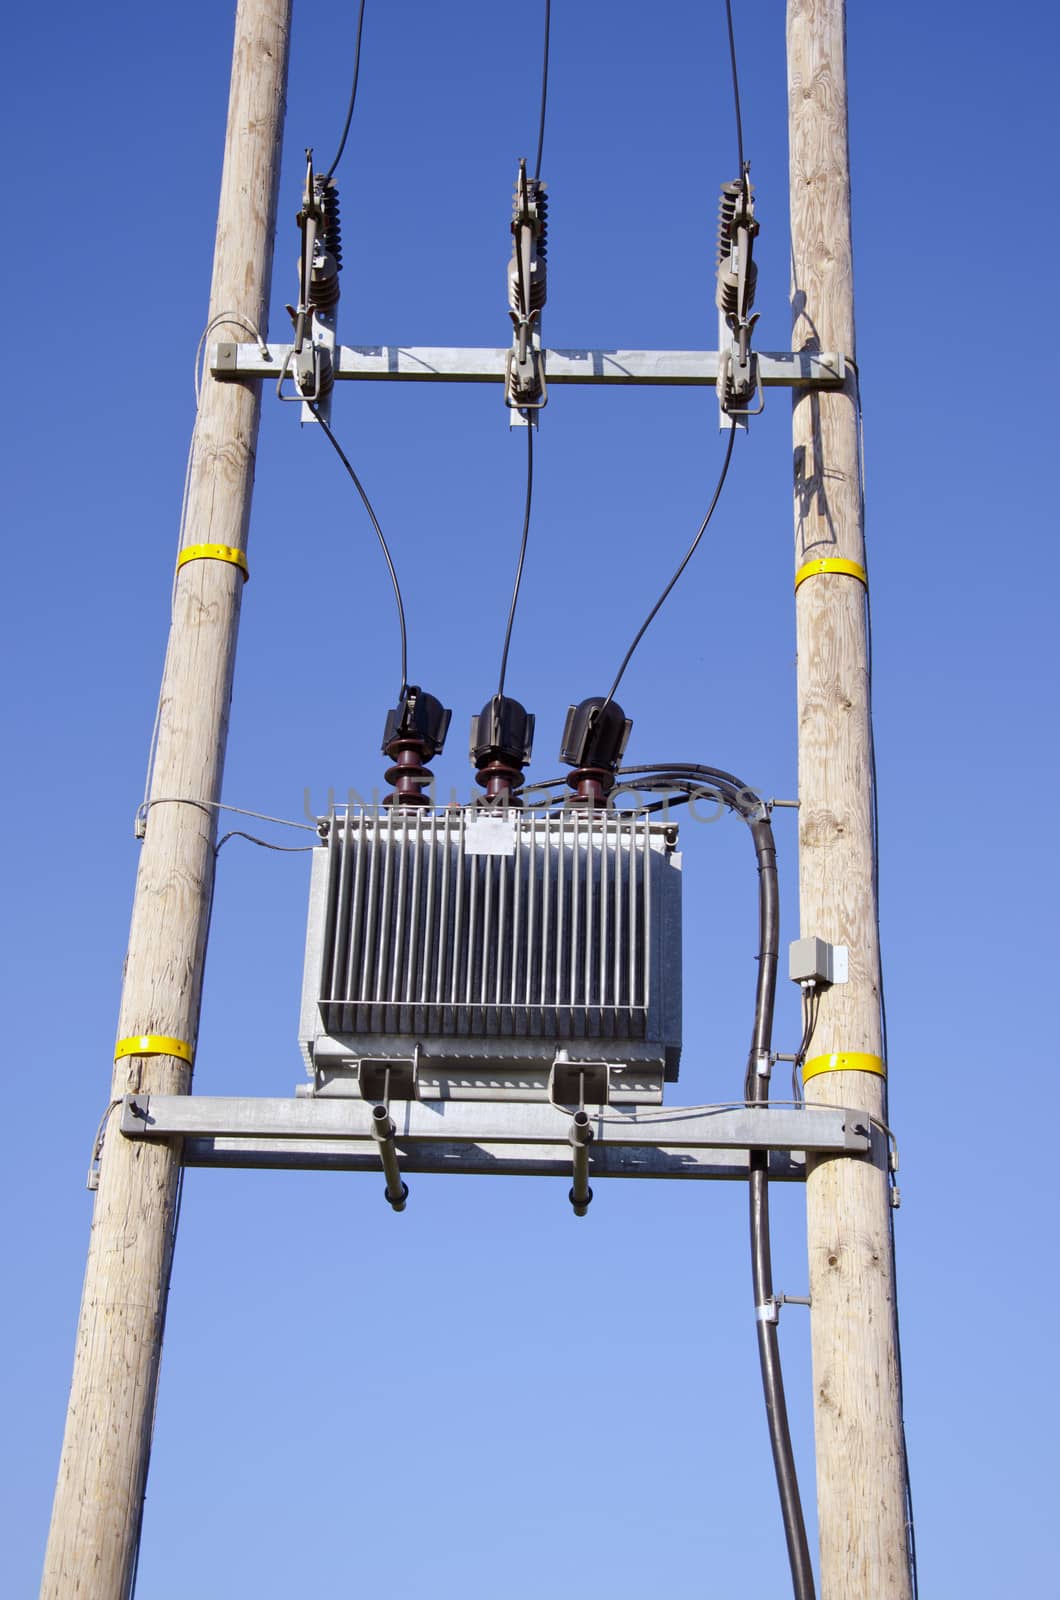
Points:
(521, 1138)
(440, 364)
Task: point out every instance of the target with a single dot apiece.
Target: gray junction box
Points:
(465, 954)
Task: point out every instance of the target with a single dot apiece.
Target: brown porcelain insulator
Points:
(408, 774)
(501, 783)
(591, 786)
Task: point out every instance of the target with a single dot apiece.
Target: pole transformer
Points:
(97, 1513)
(861, 1480)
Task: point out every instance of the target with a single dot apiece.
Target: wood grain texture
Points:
(103, 1468)
(860, 1472)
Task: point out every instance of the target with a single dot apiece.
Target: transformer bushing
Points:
(502, 738)
(594, 739)
(415, 732)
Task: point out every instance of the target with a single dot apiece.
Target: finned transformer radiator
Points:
(474, 949)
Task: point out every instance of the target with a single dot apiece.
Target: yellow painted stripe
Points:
(153, 1044)
(214, 552)
(847, 1061)
(852, 569)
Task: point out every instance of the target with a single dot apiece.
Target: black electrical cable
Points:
(812, 1004)
(689, 553)
(522, 554)
(353, 96)
(735, 85)
(544, 92)
(238, 833)
(742, 799)
(358, 485)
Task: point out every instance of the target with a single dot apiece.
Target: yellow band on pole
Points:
(847, 1061)
(153, 1044)
(215, 552)
(851, 569)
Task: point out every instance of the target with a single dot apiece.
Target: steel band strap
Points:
(850, 569)
(215, 552)
(153, 1044)
(847, 1061)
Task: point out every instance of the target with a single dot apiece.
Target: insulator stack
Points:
(408, 774)
(332, 235)
(737, 229)
(324, 282)
(327, 370)
(730, 195)
(529, 209)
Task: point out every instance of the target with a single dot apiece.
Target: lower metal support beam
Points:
(522, 1139)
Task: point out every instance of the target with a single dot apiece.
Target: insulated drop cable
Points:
(359, 486)
(522, 554)
(735, 85)
(686, 558)
(353, 96)
(544, 92)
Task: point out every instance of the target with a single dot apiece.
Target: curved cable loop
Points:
(359, 486)
(689, 553)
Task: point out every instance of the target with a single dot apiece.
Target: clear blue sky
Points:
(485, 1396)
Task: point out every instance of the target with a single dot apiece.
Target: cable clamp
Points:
(850, 569)
(525, 385)
(311, 371)
(846, 1061)
(763, 1064)
(740, 378)
(154, 1044)
(214, 552)
(770, 1311)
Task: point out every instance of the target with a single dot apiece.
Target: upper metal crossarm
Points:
(430, 364)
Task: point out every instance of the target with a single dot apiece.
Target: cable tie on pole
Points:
(850, 569)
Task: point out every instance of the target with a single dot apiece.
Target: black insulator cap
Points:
(421, 717)
(502, 731)
(595, 734)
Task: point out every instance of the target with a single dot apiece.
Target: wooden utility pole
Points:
(98, 1505)
(861, 1487)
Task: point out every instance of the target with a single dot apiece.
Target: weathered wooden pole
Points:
(861, 1487)
(98, 1505)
